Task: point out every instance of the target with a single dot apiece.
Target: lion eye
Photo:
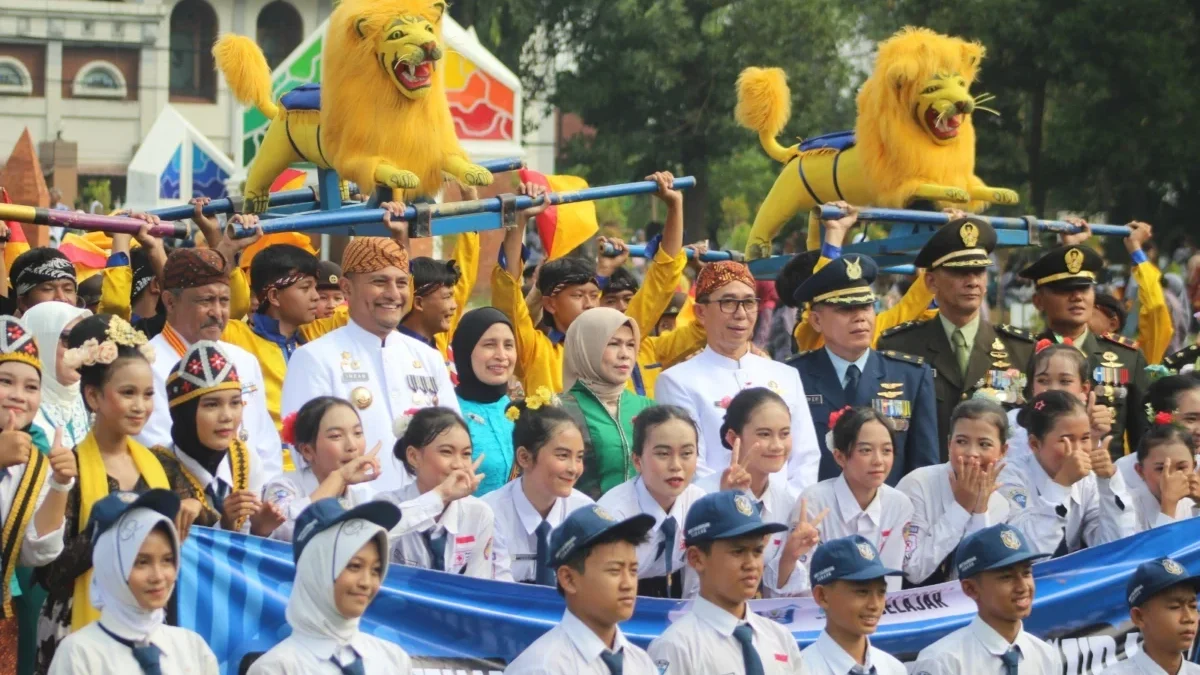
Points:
(930, 90)
(396, 35)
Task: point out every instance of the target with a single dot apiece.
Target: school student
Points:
(1164, 480)
(995, 566)
(1162, 604)
(1059, 367)
(725, 537)
(596, 558)
(341, 561)
(848, 581)
(135, 554)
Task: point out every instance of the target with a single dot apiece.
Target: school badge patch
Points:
(1172, 567)
(865, 551)
(743, 505)
(1009, 539)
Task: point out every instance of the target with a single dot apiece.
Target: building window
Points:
(193, 31)
(280, 31)
(14, 77)
(99, 79)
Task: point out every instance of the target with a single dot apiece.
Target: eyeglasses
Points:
(730, 305)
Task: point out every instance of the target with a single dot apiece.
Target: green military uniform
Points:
(997, 351)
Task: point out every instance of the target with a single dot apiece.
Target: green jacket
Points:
(608, 442)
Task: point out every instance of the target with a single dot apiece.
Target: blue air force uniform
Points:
(898, 385)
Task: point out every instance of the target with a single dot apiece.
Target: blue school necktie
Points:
(544, 575)
(355, 667)
(1010, 659)
(859, 670)
(147, 655)
(614, 660)
(745, 635)
(667, 549)
(437, 549)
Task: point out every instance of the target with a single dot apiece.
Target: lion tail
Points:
(764, 104)
(246, 70)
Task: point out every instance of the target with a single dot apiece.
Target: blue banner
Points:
(233, 591)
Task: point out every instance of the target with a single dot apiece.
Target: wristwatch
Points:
(61, 487)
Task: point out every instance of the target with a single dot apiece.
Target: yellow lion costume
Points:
(380, 115)
(913, 139)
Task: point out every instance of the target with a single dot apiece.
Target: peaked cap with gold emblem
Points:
(845, 281)
(960, 243)
(1066, 267)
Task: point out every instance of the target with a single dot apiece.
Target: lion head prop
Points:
(913, 139)
(380, 115)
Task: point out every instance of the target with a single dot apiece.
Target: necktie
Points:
(437, 548)
(614, 660)
(745, 635)
(851, 388)
(355, 667)
(859, 670)
(667, 548)
(1063, 547)
(216, 494)
(1010, 659)
(544, 575)
(961, 351)
(146, 654)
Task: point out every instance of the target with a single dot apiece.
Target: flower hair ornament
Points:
(1160, 418)
(287, 432)
(833, 420)
(543, 396)
(119, 334)
(400, 424)
(1042, 344)
(1039, 405)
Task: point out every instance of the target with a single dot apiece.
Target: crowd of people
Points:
(586, 431)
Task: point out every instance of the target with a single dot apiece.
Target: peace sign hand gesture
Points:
(362, 469)
(804, 537)
(461, 482)
(736, 477)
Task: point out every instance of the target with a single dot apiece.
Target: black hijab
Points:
(470, 329)
(187, 437)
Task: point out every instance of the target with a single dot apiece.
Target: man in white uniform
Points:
(196, 296)
(704, 385)
(367, 362)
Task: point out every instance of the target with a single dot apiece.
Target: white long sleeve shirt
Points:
(976, 649)
(1091, 512)
(466, 525)
(571, 648)
(701, 642)
(515, 537)
(703, 385)
(305, 656)
(291, 493)
(91, 651)
(939, 523)
(255, 483)
(1147, 506)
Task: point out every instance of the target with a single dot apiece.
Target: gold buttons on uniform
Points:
(361, 398)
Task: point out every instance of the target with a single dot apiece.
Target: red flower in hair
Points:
(288, 433)
(1164, 418)
(1042, 344)
(836, 415)
(1039, 405)
(411, 411)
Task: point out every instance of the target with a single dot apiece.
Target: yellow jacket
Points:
(913, 306)
(1155, 329)
(656, 353)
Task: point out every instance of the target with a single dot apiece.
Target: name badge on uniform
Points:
(355, 376)
(815, 399)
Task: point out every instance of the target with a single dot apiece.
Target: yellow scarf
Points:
(93, 486)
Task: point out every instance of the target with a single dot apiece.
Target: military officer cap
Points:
(845, 281)
(1065, 267)
(963, 243)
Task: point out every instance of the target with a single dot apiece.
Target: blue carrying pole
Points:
(639, 251)
(1026, 224)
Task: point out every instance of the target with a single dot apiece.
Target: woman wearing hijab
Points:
(136, 558)
(485, 354)
(341, 561)
(599, 355)
(62, 401)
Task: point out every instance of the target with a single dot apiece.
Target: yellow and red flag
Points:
(564, 227)
(17, 243)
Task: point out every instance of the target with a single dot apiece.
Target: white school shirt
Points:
(571, 648)
(290, 493)
(1146, 505)
(1018, 438)
(701, 642)
(826, 657)
(702, 385)
(91, 651)
(306, 656)
(35, 551)
(776, 503)
(1094, 511)
(976, 648)
(262, 436)
(350, 359)
(515, 538)
(224, 476)
(467, 524)
(939, 523)
(632, 498)
(1140, 664)
(882, 523)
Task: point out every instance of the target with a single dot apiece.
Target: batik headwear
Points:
(365, 255)
(143, 272)
(194, 267)
(716, 275)
(37, 266)
(470, 330)
(205, 368)
(583, 351)
(17, 343)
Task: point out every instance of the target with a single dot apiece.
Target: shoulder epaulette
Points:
(901, 356)
(797, 356)
(1120, 340)
(1013, 331)
(900, 328)
(1183, 357)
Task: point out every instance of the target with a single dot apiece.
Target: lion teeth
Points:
(412, 70)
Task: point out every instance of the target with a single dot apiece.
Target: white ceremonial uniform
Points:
(701, 642)
(35, 551)
(632, 498)
(702, 385)
(826, 657)
(515, 538)
(1093, 511)
(882, 523)
(976, 649)
(91, 651)
(939, 523)
(1140, 664)
(224, 477)
(310, 656)
(262, 436)
(382, 381)
(467, 525)
(290, 492)
(571, 648)
(1145, 504)
(776, 504)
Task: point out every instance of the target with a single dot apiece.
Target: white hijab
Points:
(312, 611)
(113, 555)
(62, 404)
